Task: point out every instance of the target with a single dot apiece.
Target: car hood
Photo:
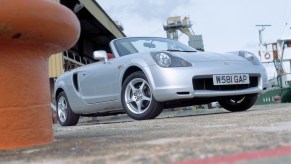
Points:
(208, 56)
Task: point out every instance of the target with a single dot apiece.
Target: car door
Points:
(98, 82)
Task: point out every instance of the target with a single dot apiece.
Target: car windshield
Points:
(128, 46)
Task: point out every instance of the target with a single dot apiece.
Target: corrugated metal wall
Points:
(56, 65)
(56, 61)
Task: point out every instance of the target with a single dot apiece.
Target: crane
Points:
(176, 24)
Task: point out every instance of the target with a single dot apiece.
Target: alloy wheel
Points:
(138, 96)
(62, 109)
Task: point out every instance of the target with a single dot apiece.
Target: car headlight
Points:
(165, 59)
(250, 57)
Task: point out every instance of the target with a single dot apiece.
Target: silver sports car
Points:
(145, 75)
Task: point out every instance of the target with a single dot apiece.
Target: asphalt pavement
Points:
(259, 135)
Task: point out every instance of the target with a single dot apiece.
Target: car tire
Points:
(66, 116)
(239, 103)
(137, 98)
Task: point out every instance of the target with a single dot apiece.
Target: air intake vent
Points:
(75, 82)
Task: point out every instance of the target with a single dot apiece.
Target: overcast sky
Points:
(226, 25)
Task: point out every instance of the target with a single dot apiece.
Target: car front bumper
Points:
(177, 83)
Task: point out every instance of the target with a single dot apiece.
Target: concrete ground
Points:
(259, 135)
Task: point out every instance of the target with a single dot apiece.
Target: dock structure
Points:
(176, 24)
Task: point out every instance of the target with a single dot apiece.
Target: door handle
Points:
(83, 74)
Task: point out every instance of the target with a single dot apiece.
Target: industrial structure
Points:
(278, 53)
(97, 30)
(176, 24)
(279, 88)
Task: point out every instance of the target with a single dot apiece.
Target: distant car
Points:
(149, 74)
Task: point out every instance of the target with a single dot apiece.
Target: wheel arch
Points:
(130, 70)
(135, 68)
(58, 91)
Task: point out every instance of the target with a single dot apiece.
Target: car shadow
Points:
(164, 115)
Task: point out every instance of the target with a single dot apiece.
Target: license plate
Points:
(231, 79)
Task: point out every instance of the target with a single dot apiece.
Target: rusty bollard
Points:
(30, 30)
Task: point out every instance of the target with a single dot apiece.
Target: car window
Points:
(128, 46)
(145, 46)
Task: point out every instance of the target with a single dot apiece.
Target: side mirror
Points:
(100, 55)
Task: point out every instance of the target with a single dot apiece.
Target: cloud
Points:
(146, 9)
(142, 17)
(153, 9)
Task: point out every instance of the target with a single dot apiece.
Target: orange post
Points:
(30, 31)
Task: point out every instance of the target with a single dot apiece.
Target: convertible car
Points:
(149, 74)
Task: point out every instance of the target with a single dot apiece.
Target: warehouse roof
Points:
(97, 28)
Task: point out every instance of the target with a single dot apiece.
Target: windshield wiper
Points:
(173, 50)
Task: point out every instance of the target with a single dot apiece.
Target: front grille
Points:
(206, 83)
